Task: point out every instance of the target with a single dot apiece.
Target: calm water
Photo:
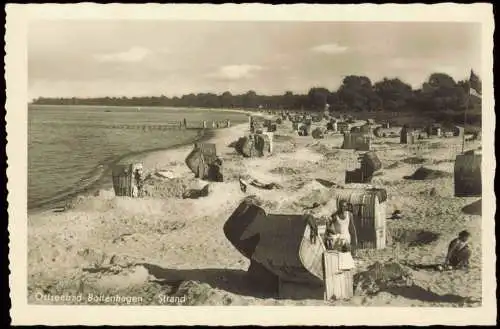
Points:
(70, 148)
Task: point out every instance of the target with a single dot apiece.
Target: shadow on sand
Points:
(473, 208)
(230, 280)
(326, 183)
(237, 282)
(419, 293)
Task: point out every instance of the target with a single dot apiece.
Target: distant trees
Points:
(357, 93)
(208, 100)
(441, 93)
(318, 98)
(440, 96)
(288, 100)
(394, 94)
(250, 100)
(226, 100)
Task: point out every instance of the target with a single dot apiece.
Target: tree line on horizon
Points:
(440, 96)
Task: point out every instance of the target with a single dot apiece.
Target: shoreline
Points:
(62, 199)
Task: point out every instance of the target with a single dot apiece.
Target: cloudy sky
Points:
(145, 58)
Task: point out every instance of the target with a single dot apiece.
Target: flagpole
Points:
(465, 119)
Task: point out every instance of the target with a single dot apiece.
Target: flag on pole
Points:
(474, 84)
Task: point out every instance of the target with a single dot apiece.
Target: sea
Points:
(72, 148)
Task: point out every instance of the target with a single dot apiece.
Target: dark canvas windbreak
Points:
(372, 161)
(280, 243)
(253, 145)
(261, 144)
(241, 219)
(467, 174)
(369, 164)
(363, 174)
(244, 146)
(202, 159)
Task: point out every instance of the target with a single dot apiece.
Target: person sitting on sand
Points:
(458, 252)
(340, 231)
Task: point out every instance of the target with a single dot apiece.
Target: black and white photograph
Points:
(342, 164)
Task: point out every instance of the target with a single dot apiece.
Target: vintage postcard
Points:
(271, 165)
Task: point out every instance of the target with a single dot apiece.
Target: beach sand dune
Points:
(168, 245)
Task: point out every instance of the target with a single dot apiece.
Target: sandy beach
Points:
(165, 245)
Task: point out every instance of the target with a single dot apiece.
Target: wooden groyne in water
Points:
(167, 125)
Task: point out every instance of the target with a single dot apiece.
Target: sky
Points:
(151, 58)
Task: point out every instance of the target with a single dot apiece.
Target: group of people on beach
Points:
(341, 235)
